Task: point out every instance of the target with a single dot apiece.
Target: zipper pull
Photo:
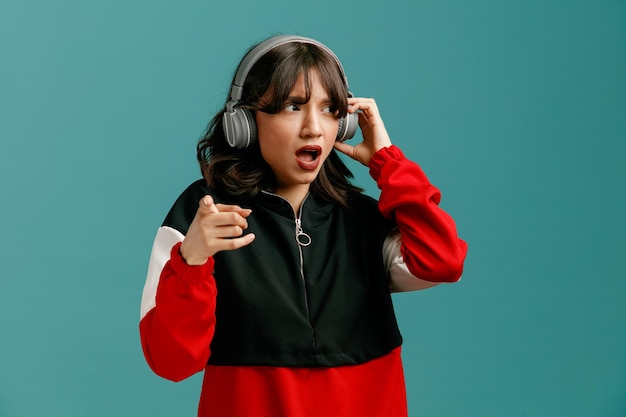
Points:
(302, 238)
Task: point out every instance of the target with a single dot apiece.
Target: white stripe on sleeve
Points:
(165, 239)
(401, 279)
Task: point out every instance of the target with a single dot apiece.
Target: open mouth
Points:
(308, 157)
(307, 154)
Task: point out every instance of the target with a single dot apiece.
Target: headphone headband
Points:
(264, 47)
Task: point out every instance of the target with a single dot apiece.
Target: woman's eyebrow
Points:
(297, 99)
(302, 100)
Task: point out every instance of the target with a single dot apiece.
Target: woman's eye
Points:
(291, 107)
(329, 109)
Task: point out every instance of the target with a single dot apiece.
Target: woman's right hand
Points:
(216, 227)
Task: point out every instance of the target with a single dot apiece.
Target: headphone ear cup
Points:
(239, 127)
(347, 127)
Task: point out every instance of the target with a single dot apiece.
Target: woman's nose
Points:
(311, 125)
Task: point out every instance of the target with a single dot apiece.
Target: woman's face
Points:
(296, 141)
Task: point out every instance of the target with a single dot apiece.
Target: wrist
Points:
(190, 258)
(186, 272)
(381, 157)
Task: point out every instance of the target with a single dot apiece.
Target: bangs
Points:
(289, 62)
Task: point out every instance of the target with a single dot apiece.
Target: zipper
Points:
(302, 239)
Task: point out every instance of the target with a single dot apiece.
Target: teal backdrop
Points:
(515, 109)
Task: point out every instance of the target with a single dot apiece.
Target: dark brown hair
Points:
(243, 173)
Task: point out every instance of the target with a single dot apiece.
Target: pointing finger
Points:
(231, 208)
(207, 205)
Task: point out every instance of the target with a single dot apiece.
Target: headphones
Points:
(239, 123)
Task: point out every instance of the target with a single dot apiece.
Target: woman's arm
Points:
(427, 249)
(178, 315)
(429, 243)
(178, 304)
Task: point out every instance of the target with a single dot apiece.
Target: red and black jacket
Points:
(278, 304)
(281, 303)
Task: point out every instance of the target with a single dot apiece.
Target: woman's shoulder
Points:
(361, 201)
(185, 206)
(363, 211)
(198, 189)
(190, 197)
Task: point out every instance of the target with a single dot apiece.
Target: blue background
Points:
(515, 109)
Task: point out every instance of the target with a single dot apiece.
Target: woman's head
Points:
(267, 89)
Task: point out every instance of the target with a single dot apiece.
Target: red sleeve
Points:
(430, 247)
(177, 332)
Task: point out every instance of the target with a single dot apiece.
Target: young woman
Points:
(273, 273)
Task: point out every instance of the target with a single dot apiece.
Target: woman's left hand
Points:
(375, 136)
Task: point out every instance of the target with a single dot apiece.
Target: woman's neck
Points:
(295, 195)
